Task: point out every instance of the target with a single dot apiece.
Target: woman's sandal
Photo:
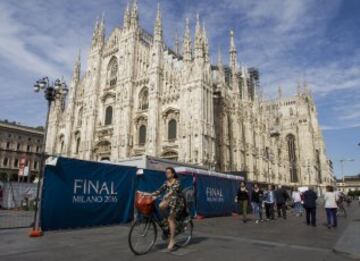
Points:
(172, 248)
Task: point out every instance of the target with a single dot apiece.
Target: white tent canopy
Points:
(183, 170)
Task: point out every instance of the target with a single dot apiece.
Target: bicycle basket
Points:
(144, 203)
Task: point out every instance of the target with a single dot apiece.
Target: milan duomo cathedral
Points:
(139, 97)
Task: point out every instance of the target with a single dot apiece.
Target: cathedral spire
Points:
(245, 87)
(198, 46)
(233, 52)
(134, 14)
(187, 42)
(102, 27)
(77, 68)
(205, 44)
(96, 29)
(98, 37)
(177, 44)
(127, 17)
(158, 26)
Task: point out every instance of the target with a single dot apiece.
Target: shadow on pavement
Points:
(194, 241)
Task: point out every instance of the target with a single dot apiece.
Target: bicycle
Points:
(143, 232)
(341, 209)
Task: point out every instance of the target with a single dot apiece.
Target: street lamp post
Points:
(52, 91)
(342, 161)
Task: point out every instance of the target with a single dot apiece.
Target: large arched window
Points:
(61, 147)
(108, 115)
(144, 99)
(292, 157)
(112, 71)
(172, 129)
(77, 141)
(80, 116)
(291, 111)
(77, 148)
(142, 135)
(5, 162)
(61, 144)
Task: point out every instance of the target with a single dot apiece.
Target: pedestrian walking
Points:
(243, 200)
(330, 198)
(296, 197)
(310, 198)
(256, 202)
(348, 201)
(281, 196)
(269, 201)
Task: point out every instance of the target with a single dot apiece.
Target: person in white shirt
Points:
(330, 198)
(296, 197)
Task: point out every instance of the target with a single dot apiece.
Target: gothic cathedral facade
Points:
(137, 96)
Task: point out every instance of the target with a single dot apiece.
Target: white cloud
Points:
(14, 49)
(343, 127)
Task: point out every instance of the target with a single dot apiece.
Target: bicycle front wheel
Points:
(142, 236)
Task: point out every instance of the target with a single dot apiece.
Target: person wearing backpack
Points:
(243, 199)
(256, 202)
(310, 198)
(281, 196)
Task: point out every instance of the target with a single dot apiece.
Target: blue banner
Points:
(150, 180)
(80, 193)
(215, 196)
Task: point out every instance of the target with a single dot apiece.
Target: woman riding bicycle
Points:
(173, 201)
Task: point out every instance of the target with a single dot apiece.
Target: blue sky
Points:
(289, 41)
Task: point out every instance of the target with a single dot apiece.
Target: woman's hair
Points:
(255, 185)
(172, 171)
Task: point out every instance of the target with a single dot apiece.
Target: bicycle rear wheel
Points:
(184, 238)
(344, 211)
(142, 236)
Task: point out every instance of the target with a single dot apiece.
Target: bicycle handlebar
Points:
(146, 194)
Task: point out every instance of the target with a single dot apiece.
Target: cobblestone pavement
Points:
(224, 238)
(15, 218)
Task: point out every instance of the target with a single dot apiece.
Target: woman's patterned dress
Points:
(174, 197)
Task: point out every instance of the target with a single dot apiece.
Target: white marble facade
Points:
(137, 96)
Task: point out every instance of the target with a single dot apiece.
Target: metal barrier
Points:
(17, 204)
